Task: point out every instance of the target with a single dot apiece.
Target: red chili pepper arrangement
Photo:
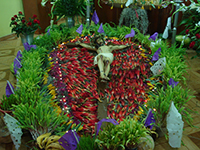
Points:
(75, 78)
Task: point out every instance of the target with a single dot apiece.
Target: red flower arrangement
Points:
(77, 75)
(21, 26)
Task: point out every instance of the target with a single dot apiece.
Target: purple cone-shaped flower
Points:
(28, 47)
(70, 140)
(80, 29)
(172, 82)
(9, 89)
(48, 31)
(95, 18)
(149, 120)
(100, 30)
(17, 65)
(113, 121)
(132, 34)
(156, 55)
(154, 36)
(19, 55)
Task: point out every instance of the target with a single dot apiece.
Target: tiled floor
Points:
(191, 136)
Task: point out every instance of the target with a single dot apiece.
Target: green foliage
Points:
(126, 134)
(136, 18)
(116, 31)
(56, 35)
(175, 63)
(86, 143)
(161, 100)
(69, 8)
(39, 117)
(7, 102)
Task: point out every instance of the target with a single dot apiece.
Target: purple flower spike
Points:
(100, 30)
(154, 36)
(70, 140)
(172, 82)
(80, 29)
(9, 89)
(17, 65)
(132, 34)
(113, 121)
(48, 31)
(156, 55)
(95, 18)
(19, 55)
(149, 120)
(28, 47)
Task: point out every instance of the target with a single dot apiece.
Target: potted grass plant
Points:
(6, 103)
(160, 100)
(87, 142)
(127, 135)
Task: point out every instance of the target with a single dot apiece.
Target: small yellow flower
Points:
(51, 87)
(151, 85)
(49, 58)
(142, 7)
(69, 122)
(73, 125)
(45, 79)
(141, 109)
(139, 112)
(158, 7)
(52, 92)
(121, 6)
(136, 117)
(48, 70)
(111, 7)
(151, 63)
(143, 55)
(80, 128)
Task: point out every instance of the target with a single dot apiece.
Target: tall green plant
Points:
(39, 117)
(124, 135)
(160, 102)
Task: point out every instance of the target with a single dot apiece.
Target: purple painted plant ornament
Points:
(17, 65)
(48, 31)
(156, 55)
(19, 55)
(132, 34)
(9, 89)
(154, 36)
(172, 82)
(70, 140)
(95, 18)
(100, 30)
(113, 121)
(28, 47)
(149, 120)
(80, 29)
